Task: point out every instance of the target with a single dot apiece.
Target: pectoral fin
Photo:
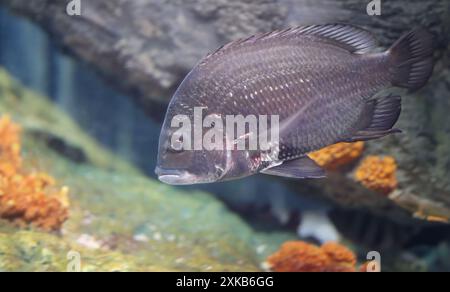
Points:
(378, 118)
(303, 167)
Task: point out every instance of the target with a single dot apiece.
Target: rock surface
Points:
(148, 46)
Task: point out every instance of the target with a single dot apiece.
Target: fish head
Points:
(180, 161)
(178, 166)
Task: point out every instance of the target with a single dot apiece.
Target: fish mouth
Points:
(175, 176)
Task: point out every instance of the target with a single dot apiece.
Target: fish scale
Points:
(320, 80)
(295, 63)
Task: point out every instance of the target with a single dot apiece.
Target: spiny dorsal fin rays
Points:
(351, 38)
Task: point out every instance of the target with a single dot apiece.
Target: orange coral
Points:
(298, 256)
(342, 258)
(335, 156)
(27, 198)
(378, 174)
(10, 159)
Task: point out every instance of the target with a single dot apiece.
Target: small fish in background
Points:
(321, 80)
(316, 225)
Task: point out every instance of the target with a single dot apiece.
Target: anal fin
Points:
(378, 118)
(303, 167)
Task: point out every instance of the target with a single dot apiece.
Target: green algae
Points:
(120, 220)
(22, 250)
(37, 114)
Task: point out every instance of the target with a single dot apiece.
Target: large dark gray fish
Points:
(321, 80)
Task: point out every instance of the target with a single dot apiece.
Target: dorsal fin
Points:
(351, 38)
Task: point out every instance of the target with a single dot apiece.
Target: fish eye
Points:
(177, 149)
(176, 146)
(219, 171)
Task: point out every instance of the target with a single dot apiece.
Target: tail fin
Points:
(412, 57)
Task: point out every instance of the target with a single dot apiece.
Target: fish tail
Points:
(411, 57)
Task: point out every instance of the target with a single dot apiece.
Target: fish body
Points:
(320, 81)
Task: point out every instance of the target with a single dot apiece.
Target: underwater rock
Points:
(43, 121)
(376, 232)
(59, 145)
(32, 251)
(148, 46)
